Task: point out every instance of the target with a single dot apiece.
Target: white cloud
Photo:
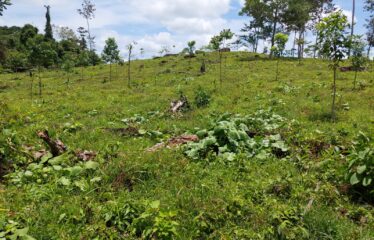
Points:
(162, 22)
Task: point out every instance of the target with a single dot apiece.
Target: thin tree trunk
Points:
(67, 83)
(220, 67)
(294, 45)
(315, 47)
(334, 97)
(353, 23)
(274, 31)
(369, 50)
(110, 72)
(277, 73)
(32, 87)
(129, 72)
(40, 83)
(89, 34)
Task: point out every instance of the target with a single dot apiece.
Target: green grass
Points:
(215, 200)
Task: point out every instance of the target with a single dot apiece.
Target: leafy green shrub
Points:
(254, 135)
(361, 164)
(202, 98)
(288, 224)
(122, 216)
(64, 170)
(143, 220)
(11, 230)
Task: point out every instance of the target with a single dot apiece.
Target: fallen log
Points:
(56, 147)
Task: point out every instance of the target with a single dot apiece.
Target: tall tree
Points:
(82, 38)
(191, 46)
(258, 28)
(358, 59)
(218, 43)
(334, 44)
(48, 32)
(276, 10)
(3, 5)
(370, 35)
(111, 53)
(130, 49)
(352, 23)
(42, 54)
(281, 40)
(369, 7)
(322, 7)
(88, 12)
(27, 32)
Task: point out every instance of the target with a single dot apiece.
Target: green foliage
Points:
(214, 198)
(191, 47)
(220, 40)
(280, 44)
(42, 53)
(111, 52)
(66, 171)
(361, 163)
(333, 40)
(17, 61)
(11, 230)
(288, 224)
(231, 135)
(48, 32)
(3, 5)
(143, 220)
(202, 98)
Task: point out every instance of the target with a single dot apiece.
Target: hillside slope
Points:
(285, 179)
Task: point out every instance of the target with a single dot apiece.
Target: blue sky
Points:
(153, 24)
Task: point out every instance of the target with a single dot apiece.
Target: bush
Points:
(361, 164)
(202, 98)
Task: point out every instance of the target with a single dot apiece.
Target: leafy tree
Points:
(94, 58)
(218, 43)
(370, 35)
(130, 49)
(280, 41)
(68, 64)
(369, 7)
(111, 53)
(259, 27)
(275, 13)
(352, 23)
(82, 41)
(88, 12)
(48, 33)
(83, 60)
(334, 44)
(191, 47)
(65, 33)
(3, 5)
(296, 17)
(322, 7)
(358, 59)
(28, 32)
(16, 61)
(42, 54)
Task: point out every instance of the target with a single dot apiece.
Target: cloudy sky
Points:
(151, 23)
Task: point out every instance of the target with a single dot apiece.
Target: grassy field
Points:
(126, 192)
